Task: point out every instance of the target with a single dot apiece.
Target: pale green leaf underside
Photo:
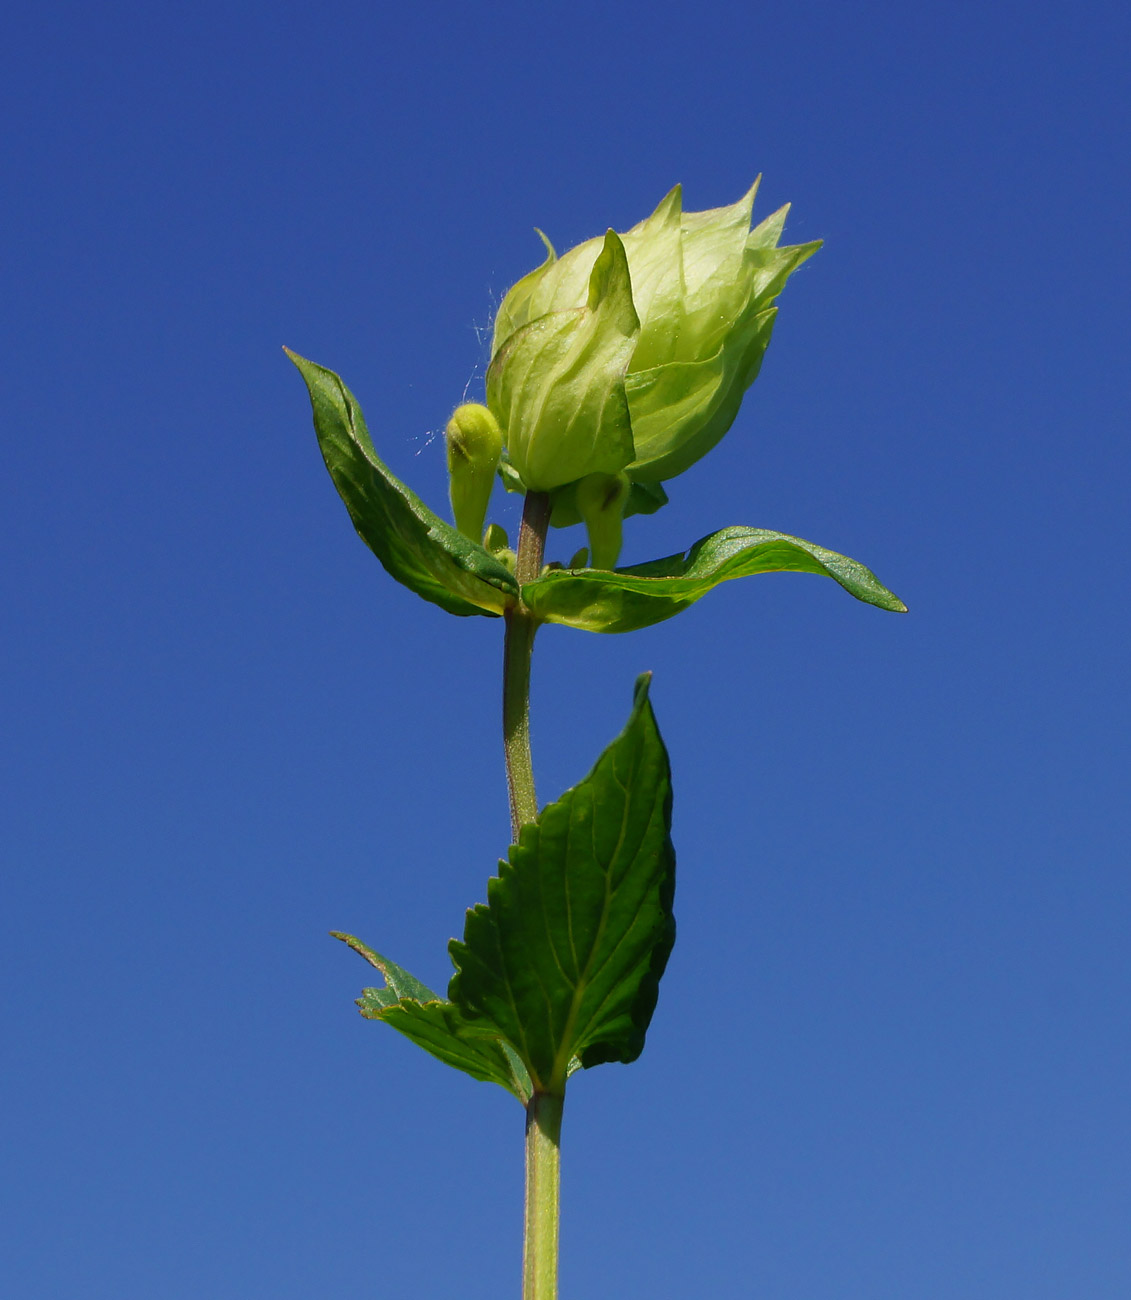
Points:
(416, 546)
(437, 1026)
(633, 597)
(566, 956)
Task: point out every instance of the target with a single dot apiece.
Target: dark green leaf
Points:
(625, 599)
(417, 547)
(565, 957)
(436, 1025)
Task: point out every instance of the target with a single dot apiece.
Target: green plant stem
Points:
(517, 650)
(544, 1110)
(543, 1180)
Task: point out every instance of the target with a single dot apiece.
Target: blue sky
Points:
(891, 1053)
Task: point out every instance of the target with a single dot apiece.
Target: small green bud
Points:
(495, 538)
(601, 499)
(475, 443)
(496, 541)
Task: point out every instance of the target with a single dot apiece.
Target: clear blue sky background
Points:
(891, 1057)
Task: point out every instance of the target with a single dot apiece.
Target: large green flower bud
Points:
(567, 359)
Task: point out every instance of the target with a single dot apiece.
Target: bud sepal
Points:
(556, 385)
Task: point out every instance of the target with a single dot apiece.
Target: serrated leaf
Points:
(416, 546)
(436, 1025)
(642, 594)
(565, 957)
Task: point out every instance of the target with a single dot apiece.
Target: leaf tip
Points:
(301, 364)
(362, 950)
(641, 687)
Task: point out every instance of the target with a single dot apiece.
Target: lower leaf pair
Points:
(560, 968)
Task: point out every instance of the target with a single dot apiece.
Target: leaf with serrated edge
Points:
(625, 599)
(416, 546)
(437, 1026)
(565, 957)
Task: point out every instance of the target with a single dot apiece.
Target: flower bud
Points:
(497, 543)
(601, 500)
(633, 353)
(475, 443)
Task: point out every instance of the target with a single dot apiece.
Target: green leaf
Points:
(565, 957)
(643, 594)
(417, 547)
(437, 1025)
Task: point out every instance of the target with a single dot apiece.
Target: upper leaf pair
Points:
(439, 563)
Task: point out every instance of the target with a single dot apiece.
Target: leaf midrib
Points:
(566, 1051)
